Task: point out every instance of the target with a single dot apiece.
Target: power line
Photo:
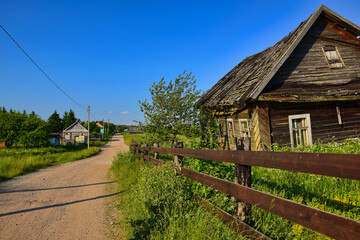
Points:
(67, 95)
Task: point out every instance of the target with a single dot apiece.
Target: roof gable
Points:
(76, 127)
(248, 79)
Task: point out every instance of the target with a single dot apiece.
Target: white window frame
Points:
(300, 116)
(240, 126)
(228, 132)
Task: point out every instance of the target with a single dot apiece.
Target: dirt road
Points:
(61, 202)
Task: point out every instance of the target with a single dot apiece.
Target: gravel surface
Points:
(66, 201)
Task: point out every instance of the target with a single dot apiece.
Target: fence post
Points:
(242, 177)
(178, 159)
(156, 154)
(145, 153)
(135, 145)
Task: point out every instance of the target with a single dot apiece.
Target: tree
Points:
(34, 131)
(55, 122)
(171, 112)
(23, 129)
(68, 118)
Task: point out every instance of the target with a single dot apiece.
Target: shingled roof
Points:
(250, 77)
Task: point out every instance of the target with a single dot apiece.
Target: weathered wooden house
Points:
(76, 133)
(304, 88)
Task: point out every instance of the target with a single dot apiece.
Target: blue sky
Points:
(106, 54)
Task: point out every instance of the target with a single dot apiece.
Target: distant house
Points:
(76, 133)
(304, 88)
(133, 130)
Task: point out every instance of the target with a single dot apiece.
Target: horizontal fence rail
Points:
(335, 165)
(327, 164)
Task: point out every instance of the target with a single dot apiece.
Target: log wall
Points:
(324, 121)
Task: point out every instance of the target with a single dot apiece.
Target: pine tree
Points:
(55, 122)
(68, 118)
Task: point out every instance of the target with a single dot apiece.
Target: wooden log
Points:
(242, 177)
(327, 164)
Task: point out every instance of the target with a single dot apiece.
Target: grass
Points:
(141, 137)
(334, 195)
(19, 161)
(102, 142)
(158, 204)
(128, 138)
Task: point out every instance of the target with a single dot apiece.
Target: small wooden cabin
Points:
(304, 88)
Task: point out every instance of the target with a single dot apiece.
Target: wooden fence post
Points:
(145, 153)
(242, 177)
(134, 145)
(156, 154)
(178, 159)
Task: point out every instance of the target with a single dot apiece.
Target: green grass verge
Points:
(158, 204)
(19, 161)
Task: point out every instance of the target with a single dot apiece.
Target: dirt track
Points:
(61, 202)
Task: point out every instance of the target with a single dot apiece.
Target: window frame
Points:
(240, 127)
(337, 53)
(228, 131)
(308, 130)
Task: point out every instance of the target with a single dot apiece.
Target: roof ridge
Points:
(248, 78)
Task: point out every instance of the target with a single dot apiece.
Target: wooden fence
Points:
(334, 165)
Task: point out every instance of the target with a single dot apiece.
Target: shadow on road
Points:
(57, 205)
(46, 189)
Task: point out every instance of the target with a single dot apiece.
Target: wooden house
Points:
(76, 133)
(304, 88)
(135, 130)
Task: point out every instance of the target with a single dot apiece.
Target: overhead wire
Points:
(47, 76)
(67, 95)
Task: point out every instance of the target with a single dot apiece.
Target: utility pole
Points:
(88, 140)
(104, 128)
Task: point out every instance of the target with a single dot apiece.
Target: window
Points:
(332, 56)
(244, 128)
(231, 131)
(300, 130)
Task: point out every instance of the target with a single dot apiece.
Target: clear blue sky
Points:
(106, 54)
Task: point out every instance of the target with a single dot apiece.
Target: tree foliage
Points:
(55, 122)
(171, 111)
(68, 118)
(23, 129)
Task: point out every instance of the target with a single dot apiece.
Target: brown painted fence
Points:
(334, 165)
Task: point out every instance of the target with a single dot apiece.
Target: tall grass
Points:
(158, 204)
(19, 161)
(335, 195)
